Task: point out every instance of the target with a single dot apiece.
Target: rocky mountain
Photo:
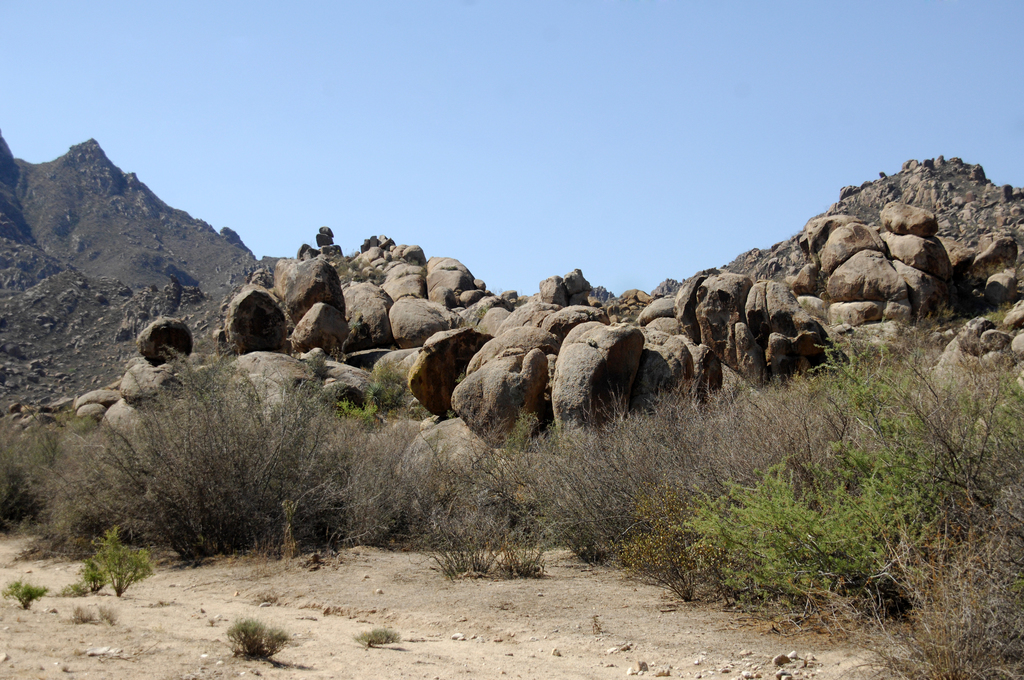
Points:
(89, 254)
(967, 205)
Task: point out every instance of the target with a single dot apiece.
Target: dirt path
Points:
(173, 625)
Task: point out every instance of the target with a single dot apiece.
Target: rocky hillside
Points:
(967, 205)
(88, 255)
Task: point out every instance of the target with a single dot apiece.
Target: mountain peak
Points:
(8, 168)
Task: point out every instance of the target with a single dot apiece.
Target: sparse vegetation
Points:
(378, 637)
(24, 593)
(81, 615)
(119, 565)
(253, 638)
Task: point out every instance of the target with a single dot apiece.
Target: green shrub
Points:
(378, 637)
(120, 565)
(93, 577)
(250, 637)
(24, 593)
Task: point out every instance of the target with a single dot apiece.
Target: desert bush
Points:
(589, 481)
(378, 637)
(93, 577)
(80, 615)
(209, 466)
(24, 593)
(967, 619)
(661, 548)
(119, 565)
(26, 457)
(108, 615)
(388, 386)
(250, 637)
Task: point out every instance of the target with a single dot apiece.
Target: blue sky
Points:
(635, 140)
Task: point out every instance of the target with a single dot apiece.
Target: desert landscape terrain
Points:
(173, 624)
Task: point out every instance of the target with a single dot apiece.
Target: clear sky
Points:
(636, 140)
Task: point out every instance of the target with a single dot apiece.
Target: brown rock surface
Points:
(441, 364)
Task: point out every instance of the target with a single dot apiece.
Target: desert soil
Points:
(174, 624)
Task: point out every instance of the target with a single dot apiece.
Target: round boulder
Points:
(254, 322)
(440, 365)
(164, 339)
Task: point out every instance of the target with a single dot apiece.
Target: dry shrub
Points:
(212, 466)
(26, 459)
(967, 621)
(589, 481)
(253, 638)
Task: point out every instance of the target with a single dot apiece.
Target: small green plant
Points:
(121, 565)
(378, 637)
(93, 578)
(24, 593)
(253, 638)
(74, 590)
(367, 414)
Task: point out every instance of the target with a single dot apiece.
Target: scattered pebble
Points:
(458, 636)
(555, 652)
(378, 592)
(265, 604)
(781, 660)
(663, 672)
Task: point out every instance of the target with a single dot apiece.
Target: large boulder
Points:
(575, 283)
(900, 218)
(366, 308)
(594, 373)
(492, 320)
(442, 362)
(856, 313)
(686, 304)
(122, 418)
(961, 257)
(283, 372)
(661, 308)
(523, 339)
(405, 280)
(254, 322)
(552, 291)
(995, 254)
(928, 294)
(414, 255)
(413, 321)
(301, 284)
(666, 325)
(322, 326)
(531, 314)
(447, 272)
(707, 370)
(449, 443)
(346, 383)
(816, 232)
(844, 242)
(926, 254)
(665, 364)
(564, 320)
(1001, 288)
(867, 276)
(164, 339)
(105, 398)
(721, 302)
(144, 382)
(491, 399)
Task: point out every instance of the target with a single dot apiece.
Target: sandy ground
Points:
(174, 624)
